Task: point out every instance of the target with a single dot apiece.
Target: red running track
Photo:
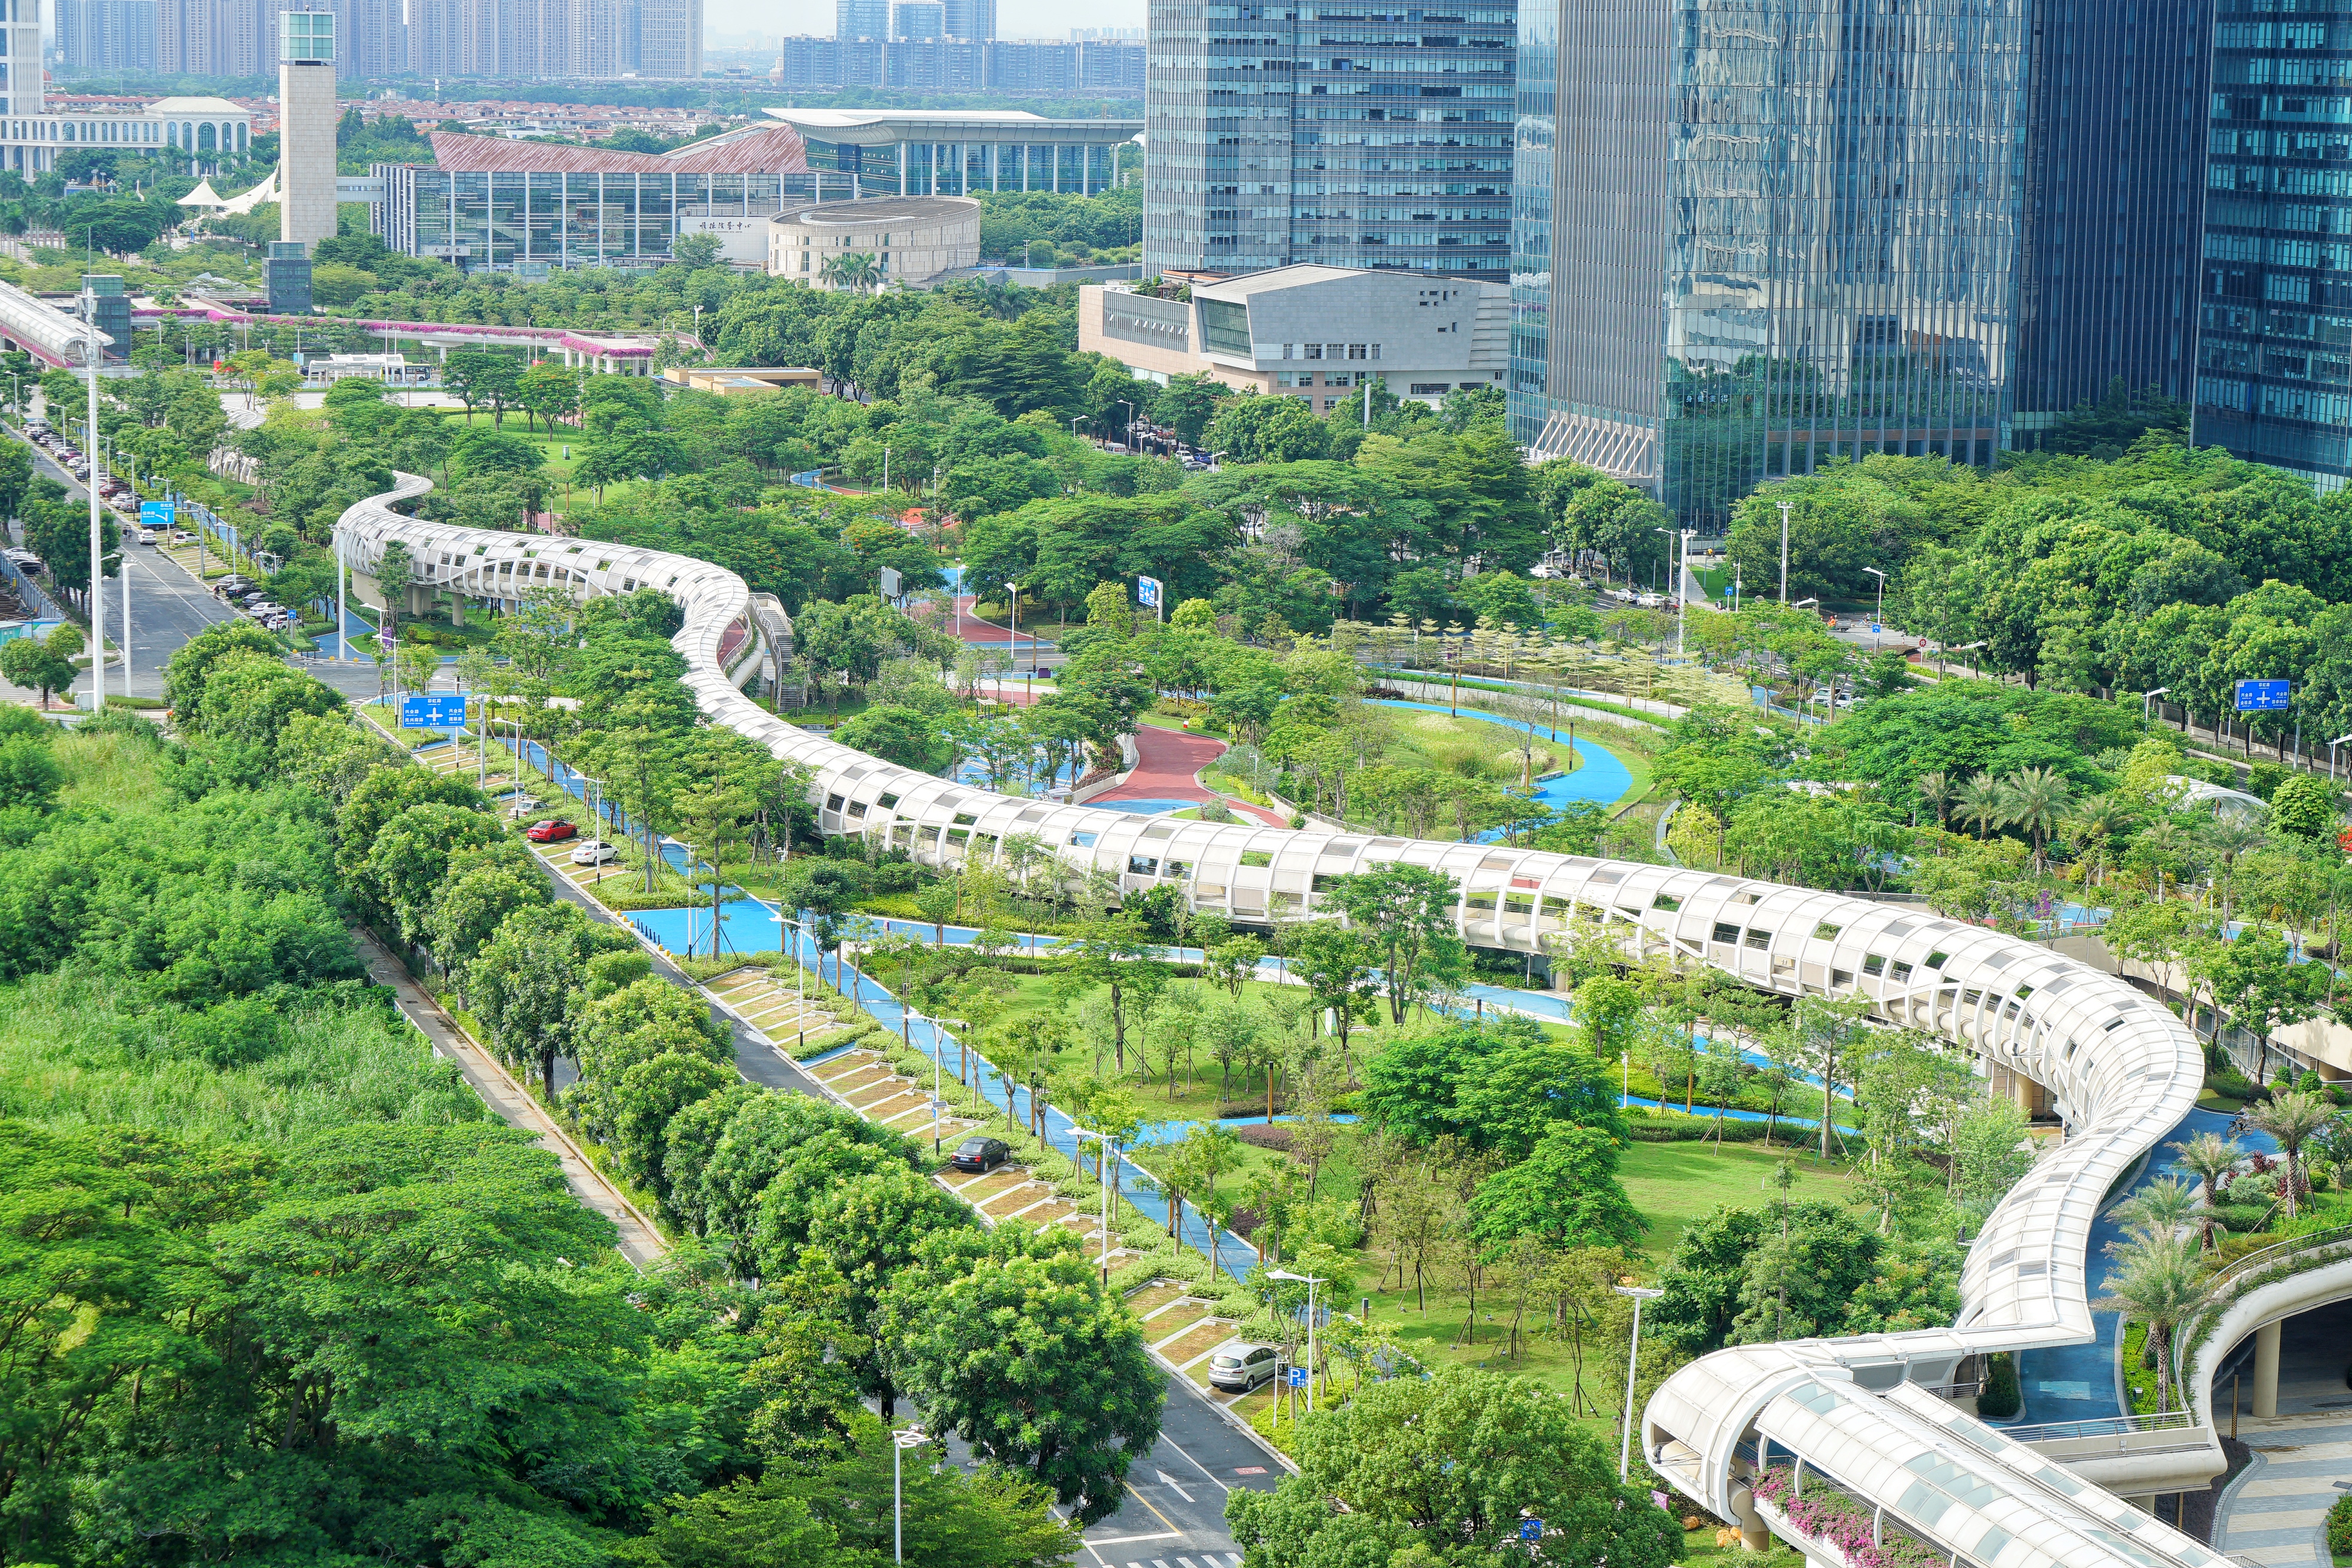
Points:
(1168, 764)
(971, 629)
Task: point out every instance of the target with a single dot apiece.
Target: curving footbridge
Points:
(1749, 1434)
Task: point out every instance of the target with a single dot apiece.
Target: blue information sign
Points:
(1531, 1530)
(1297, 1377)
(155, 514)
(426, 709)
(1147, 590)
(2261, 696)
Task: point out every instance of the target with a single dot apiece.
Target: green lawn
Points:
(1674, 1184)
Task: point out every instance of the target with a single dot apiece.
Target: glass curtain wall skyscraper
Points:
(2114, 198)
(1779, 232)
(2275, 372)
(1361, 135)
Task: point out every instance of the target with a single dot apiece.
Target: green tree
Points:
(2302, 807)
(1040, 1368)
(1564, 1194)
(860, 1508)
(1442, 1469)
(2163, 1282)
(32, 664)
(1335, 962)
(1407, 911)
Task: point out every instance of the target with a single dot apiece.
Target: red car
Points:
(554, 830)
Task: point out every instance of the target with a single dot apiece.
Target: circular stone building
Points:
(908, 239)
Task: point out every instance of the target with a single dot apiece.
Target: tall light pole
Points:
(1130, 426)
(97, 552)
(912, 1438)
(2147, 703)
(1879, 619)
(1784, 552)
(1310, 1281)
(1634, 1356)
(2331, 754)
(1102, 1179)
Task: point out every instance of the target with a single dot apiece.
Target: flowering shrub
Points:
(1826, 1514)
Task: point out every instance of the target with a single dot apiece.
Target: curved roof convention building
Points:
(1856, 1414)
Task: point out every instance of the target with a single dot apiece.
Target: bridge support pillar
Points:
(1753, 1535)
(2266, 1358)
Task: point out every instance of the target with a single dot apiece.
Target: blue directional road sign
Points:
(426, 710)
(1147, 590)
(2261, 696)
(1297, 1377)
(155, 514)
(1531, 1530)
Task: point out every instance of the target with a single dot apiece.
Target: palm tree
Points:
(2232, 838)
(2209, 1157)
(853, 269)
(2163, 1208)
(2293, 1119)
(2162, 1281)
(1938, 791)
(2037, 798)
(1983, 802)
(2093, 824)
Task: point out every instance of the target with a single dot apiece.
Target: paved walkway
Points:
(2276, 1514)
(971, 629)
(638, 1241)
(1168, 764)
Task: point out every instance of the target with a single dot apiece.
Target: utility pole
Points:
(97, 552)
(1784, 552)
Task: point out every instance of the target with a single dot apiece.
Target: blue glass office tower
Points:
(2114, 197)
(2274, 371)
(1775, 232)
(1366, 135)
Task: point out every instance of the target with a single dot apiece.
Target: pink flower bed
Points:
(1827, 1515)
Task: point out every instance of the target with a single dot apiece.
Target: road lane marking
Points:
(1170, 1482)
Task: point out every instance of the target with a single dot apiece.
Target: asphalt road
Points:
(167, 605)
(1174, 1515)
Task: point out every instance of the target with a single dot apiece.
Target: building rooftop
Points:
(208, 106)
(871, 210)
(1306, 272)
(885, 127)
(753, 150)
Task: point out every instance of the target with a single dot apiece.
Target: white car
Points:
(595, 852)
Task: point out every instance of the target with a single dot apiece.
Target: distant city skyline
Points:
(1015, 18)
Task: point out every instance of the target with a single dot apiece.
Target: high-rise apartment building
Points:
(918, 21)
(1356, 135)
(105, 36)
(1756, 237)
(861, 19)
(972, 20)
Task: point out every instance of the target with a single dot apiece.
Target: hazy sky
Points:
(1015, 18)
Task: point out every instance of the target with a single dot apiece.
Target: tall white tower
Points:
(306, 126)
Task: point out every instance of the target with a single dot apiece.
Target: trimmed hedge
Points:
(2003, 1396)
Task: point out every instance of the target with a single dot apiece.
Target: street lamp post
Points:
(1310, 1281)
(1129, 428)
(900, 1441)
(2331, 754)
(1784, 552)
(1878, 619)
(97, 553)
(1633, 1365)
(2148, 706)
(1102, 1179)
